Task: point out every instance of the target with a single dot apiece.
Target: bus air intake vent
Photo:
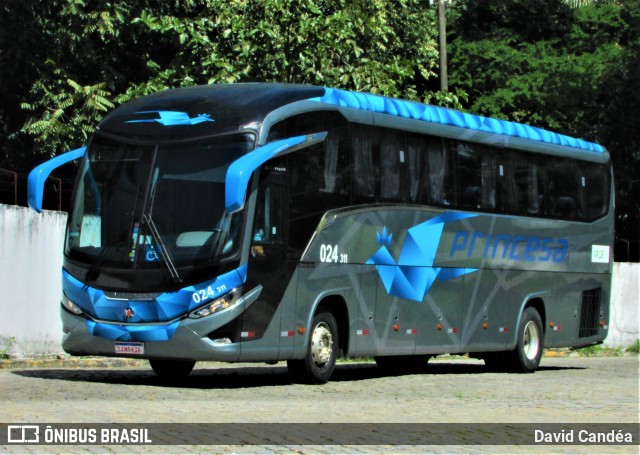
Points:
(589, 312)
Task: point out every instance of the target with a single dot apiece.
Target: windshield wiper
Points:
(164, 253)
(94, 271)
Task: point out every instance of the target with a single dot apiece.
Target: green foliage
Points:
(573, 67)
(635, 347)
(72, 60)
(68, 112)
(374, 46)
(598, 350)
(6, 343)
(571, 70)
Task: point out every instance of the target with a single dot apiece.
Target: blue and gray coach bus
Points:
(269, 222)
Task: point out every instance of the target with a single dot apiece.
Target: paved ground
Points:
(564, 390)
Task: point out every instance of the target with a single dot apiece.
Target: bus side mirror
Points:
(240, 170)
(39, 175)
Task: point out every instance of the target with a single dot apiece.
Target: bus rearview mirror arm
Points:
(39, 175)
(240, 171)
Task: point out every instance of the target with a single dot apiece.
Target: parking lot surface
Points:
(450, 391)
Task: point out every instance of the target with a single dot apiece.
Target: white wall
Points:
(30, 279)
(625, 300)
(30, 285)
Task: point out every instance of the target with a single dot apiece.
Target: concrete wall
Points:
(31, 260)
(30, 288)
(625, 300)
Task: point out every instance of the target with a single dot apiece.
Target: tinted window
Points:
(478, 172)
(564, 189)
(595, 187)
(528, 187)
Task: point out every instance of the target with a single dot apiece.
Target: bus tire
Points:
(172, 368)
(322, 352)
(403, 363)
(525, 358)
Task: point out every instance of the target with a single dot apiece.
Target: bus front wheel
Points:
(172, 368)
(322, 352)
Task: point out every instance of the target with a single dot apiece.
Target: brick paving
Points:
(564, 390)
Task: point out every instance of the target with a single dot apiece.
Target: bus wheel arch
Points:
(538, 304)
(529, 342)
(327, 340)
(525, 358)
(336, 305)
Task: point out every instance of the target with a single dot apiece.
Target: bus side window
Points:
(528, 194)
(415, 155)
(595, 190)
(364, 176)
(392, 162)
(438, 178)
(268, 222)
(564, 192)
(477, 176)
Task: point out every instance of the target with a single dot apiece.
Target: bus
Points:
(273, 222)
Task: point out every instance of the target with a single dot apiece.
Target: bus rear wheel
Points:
(322, 352)
(172, 369)
(525, 358)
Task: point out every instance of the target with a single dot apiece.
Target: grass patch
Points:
(635, 347)
(356, 360)
(598, 350)
(6, 343)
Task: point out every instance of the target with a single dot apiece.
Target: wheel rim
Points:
(531, 342)
(321, 344)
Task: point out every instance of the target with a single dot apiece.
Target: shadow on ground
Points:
(236, 377)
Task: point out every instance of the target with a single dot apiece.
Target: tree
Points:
(77, 59)
(572, 70)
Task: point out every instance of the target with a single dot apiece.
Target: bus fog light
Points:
(222, 341)
(222, 303)
(70, 306)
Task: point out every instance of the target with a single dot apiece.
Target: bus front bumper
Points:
(188, 341)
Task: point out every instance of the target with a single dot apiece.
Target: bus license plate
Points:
(130, 348)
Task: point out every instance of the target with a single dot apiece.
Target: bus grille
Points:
(589, 312)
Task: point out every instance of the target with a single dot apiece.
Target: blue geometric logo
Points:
(172, 118)
(413, 274)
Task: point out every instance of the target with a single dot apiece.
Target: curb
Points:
(83, 362)
(113, 362)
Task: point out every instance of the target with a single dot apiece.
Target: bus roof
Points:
(451, 117)
(216, 109)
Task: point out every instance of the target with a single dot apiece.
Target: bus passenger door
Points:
(267, 267)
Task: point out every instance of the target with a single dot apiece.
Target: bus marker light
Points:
(362, 332)
(552, 324)
(485, 325)
(396, 327)
(504, 330)
(248, 334)
(301, 330)
(412, 331)
(439, 327)
(452, 330)
(287, 333)
(601, 323)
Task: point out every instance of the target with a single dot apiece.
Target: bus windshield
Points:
(154, 206)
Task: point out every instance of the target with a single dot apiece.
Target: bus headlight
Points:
(222, 303)
(69, 305)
